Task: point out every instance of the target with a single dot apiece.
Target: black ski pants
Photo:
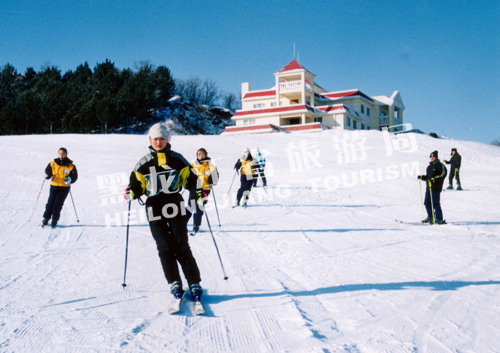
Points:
(454, 174)
(245, 187)
(55, 203)
(169, 230)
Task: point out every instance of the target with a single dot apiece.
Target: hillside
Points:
(316, 265)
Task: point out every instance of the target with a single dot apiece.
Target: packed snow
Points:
(316, 262)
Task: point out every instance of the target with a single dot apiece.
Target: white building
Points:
(297, 103)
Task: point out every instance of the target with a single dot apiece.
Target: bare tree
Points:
(230, 101)
(496, 142)
(209, 93)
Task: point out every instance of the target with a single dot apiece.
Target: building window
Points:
(249, 122)
(362, 126)
(273, 104)
(318, 119)
(368, 111)
(348, 121)
(259, 105)
(354, 124)
(367, 128)
(362, 109)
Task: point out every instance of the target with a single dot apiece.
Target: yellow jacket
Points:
(247, 167)
(59, 169)
(207, 173)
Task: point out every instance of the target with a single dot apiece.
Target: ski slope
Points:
(316, 265)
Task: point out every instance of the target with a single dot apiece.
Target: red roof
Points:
(302, 127)
(260, 94)
(355, 92)
(292, 65)
(251, 128)
(274, 110)
(329, 108)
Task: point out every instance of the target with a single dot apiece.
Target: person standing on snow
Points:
(435, 175)
(260, 171)
(246, 165)
(160, 175)
(63, 173)
(208, 176)
(456, 162)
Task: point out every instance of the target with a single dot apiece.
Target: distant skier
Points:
(63, 173)
(160, 175)
(207, 176)
(260, 171)
(435, 175)
(246, 165)
(456, 162)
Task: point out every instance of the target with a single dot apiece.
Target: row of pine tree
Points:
(105, 99)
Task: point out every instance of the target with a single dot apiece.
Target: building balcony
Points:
(293, 86)
(383, 120)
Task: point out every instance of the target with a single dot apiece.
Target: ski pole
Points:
(215, 202)
(235, 172)
(29, 219)
(126, 248)
(74, 205)
(216, 248)
(421, 199)
(432, 204)
(265, 187)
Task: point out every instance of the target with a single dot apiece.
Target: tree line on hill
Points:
(105, 99)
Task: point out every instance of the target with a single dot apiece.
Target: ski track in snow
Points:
(319, 270)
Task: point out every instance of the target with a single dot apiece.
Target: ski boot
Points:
(53, 224)
(440, 221)
(45, 222)
(196, 291)
(176, 289)
(459, 187)
(427, 220)
(450, 187)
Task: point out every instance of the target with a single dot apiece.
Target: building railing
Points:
(292, 86)
(383, 120)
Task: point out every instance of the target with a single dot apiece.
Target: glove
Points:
(419, 177)
(432, 180)
(201, 198)
(47, 177)
(444, 160)
(129, 194)
(67, 180)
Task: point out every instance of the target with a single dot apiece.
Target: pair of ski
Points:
(242, 206)
(41, 225)
(417, 223)
(176, 305)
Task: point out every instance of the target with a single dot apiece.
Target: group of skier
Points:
(435, 176)
(162, 173)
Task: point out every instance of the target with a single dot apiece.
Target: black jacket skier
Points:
(160, 175)
(456, 162)
(435, 174)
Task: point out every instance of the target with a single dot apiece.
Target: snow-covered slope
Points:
(317, 265)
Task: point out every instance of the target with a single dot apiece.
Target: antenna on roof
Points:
(294, 50)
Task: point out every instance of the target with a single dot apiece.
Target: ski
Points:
(417, 223)
(176, 305)
(198, 308)
(193, 233)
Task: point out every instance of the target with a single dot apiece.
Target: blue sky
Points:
(442, 56)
